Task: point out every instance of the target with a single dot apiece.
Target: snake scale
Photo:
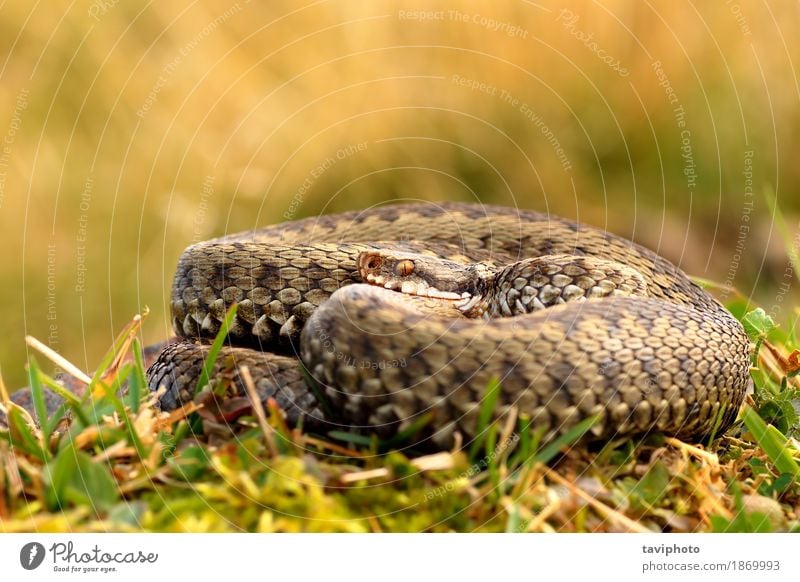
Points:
(413, 309)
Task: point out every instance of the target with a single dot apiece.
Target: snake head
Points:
(422, 275)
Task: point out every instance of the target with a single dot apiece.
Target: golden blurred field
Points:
(128, 133)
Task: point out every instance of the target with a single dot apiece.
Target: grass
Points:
(122, 465)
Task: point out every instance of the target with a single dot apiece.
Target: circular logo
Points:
(31, 555)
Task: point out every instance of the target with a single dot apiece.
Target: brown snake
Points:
(572, 320)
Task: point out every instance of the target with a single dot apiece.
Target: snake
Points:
(407, 318)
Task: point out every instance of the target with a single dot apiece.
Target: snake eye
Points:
(404, 268)
(373, 262)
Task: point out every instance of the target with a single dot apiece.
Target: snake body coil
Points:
(572, 320)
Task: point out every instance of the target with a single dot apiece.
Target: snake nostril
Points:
(373, 262)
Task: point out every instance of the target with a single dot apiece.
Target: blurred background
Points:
(129, 132)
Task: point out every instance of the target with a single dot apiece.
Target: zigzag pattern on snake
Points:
(572, 320)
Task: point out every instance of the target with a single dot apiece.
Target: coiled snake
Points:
(573, 321)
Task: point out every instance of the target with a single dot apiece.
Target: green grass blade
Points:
(39, 405)
(485, 415)
(119, 407)
(525, 447)
(138, 378)
(492, 454)
(319, 394)
(71, 400)
(213, 353)
(69, 396)
(774, 444)
(22, 437)
(74, 478)
(349, 437)
(102, 368)
(514, 522)
(568, 438)
(715, 427)
(56, 418)
(407, 433)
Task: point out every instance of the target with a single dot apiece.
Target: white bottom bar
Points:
(398, 557)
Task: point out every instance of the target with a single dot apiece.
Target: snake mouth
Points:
(417, 288)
